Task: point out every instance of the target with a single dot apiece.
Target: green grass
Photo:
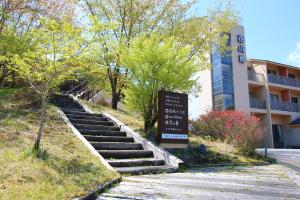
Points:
(217, 152)
(66, 170)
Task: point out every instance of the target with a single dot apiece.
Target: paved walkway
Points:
(260, 182)
(288, 157)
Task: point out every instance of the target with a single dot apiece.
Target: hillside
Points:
(66, 170)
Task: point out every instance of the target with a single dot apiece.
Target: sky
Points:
(272, 28)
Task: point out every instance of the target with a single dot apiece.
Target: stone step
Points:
(136, 162)
(92, 138)
(116, 146)
(125, 154)
(92, 122)
(95, 127)
(102, 133)
(83, 113)
(74, 116)
(146, 170)
(64, 100)
(70, 107)
(64, 104)
(67, 103)
(72, 110)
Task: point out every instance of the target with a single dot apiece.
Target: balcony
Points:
(283, 80)
(252, 76)
(257, 103)
(285, 106)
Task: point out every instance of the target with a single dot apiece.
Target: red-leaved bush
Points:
(243, 131)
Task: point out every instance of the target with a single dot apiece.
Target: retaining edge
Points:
(85, 142)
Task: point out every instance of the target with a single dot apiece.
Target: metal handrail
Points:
(283, 80)
(68, 92)
(284, 106)
(257, 103)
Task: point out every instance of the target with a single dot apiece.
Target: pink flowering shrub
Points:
(243, 131)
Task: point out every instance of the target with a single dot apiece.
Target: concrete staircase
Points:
(119, 150)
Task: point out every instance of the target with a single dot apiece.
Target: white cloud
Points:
(294, 56)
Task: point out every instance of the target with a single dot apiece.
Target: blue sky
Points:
(272, 28)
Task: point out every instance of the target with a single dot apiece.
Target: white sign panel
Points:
(174, 136)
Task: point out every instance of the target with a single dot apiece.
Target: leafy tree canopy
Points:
(57, 51)
(154, 64)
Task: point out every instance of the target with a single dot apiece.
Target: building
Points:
(262, 88)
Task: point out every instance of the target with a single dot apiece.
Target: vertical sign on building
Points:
(241, 49)
(172, 119)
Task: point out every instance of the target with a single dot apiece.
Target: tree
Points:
(124, 21)
(17, 18)
(155, 64)
(148, 58)
(57, 52)
(12, 28)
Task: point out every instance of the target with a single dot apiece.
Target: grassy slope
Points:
(218, 152)
(67, 168)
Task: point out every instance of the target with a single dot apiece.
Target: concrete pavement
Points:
(288, 157)
(260, 182)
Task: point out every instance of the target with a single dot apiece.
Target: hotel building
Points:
(262, 88)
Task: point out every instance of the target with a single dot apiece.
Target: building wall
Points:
(240, 76)
(202, 102)
(293, 136)
(268, 138)
(241, 88)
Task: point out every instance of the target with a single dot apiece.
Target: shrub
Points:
(26, 97)
(243, 131)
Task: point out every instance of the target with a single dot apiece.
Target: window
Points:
(271, 71)
(294, 99)
(291, 75)
(229, 101)
(274, 97)
(221, 77)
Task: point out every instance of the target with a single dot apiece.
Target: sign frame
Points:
(172, 119)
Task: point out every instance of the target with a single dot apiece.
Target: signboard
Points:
(172, 119)
(241, 48)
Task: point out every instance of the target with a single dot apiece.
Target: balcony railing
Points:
(285, 106)
(252, 76)
(283, 80)
(257, 103)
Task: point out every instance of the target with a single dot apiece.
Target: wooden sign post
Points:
(172, 119)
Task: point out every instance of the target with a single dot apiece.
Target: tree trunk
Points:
(149, 120)
(150, 116)
(36, 147)
(114, 101)
(3, 76)
(149, 124)
(13, 79)
(116, 87)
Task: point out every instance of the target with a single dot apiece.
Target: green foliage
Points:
(154, 65)
(120, 22)
(56, 53)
